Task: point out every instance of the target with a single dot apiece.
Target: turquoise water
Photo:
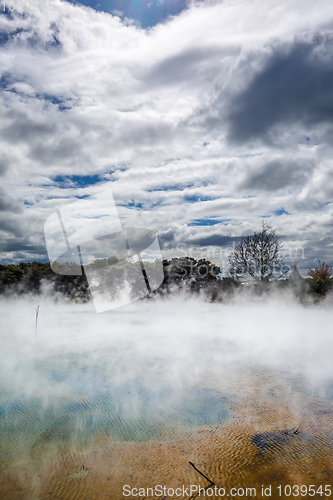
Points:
(68, 383)
(146, 371)
(87, 400)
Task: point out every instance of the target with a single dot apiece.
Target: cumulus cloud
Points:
(8, 203)
(278, 174)
(294, 87)
(210, 121)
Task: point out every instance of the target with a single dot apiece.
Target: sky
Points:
(204, 118)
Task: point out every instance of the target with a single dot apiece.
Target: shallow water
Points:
(93, 402)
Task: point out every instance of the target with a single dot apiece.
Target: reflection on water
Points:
(96, 402)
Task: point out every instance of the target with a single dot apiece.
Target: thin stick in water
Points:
(203, 475)
(37, 312)
(211, 483)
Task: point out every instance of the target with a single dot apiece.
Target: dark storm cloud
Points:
(296, 86)
(214, 240)
(165, 237)
(17, 245)
(10, 226)
(278, 174)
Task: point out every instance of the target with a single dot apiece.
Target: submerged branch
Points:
(211, 483)
(203, 475)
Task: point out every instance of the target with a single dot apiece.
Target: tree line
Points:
(255, 262)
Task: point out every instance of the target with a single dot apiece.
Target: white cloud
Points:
(180, 119)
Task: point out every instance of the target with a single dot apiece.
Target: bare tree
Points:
(258, 257)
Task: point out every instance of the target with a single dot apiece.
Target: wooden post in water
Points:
(37, 312)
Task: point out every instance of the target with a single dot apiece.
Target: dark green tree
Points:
(321, 278)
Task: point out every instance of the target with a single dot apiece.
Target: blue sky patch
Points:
(133, 203)
(79, 180)
(63, 104)
(195, 199)
(147, 13)
(281, 211)
(204, 222)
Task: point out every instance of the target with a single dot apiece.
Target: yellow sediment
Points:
(225, 453)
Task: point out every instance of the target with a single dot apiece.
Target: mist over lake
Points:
(88, 395)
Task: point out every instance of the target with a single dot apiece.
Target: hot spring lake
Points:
(92, 402)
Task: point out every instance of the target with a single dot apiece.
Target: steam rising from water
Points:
(154, 369)
(172, 340)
